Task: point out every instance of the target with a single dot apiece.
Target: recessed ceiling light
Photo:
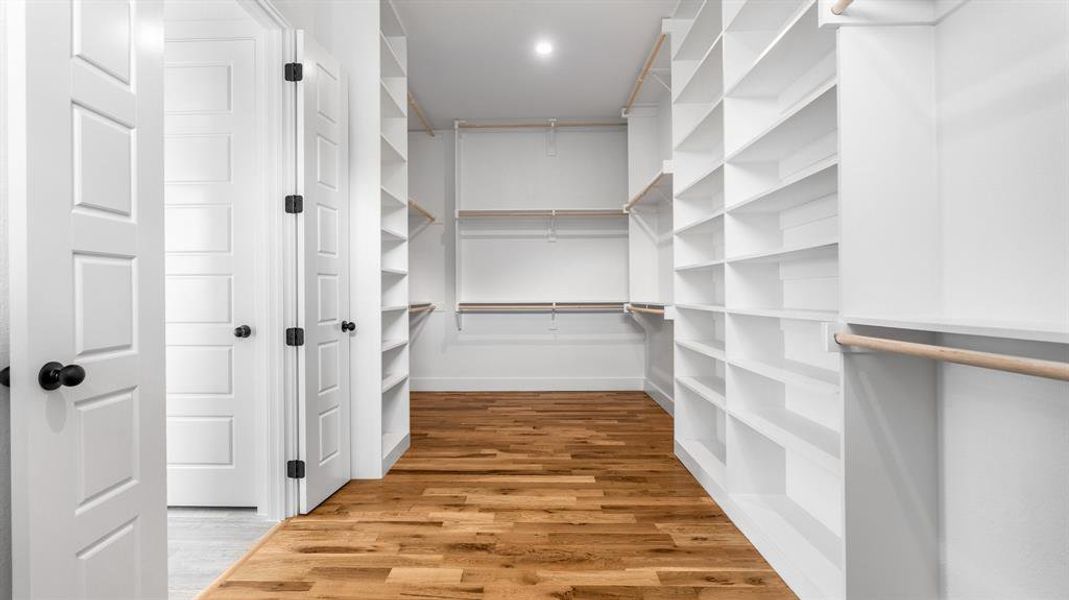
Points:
(543, 48)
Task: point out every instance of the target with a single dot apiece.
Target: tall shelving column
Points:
(698, 241)
(759, 408)
(784, 431)
(395, 352)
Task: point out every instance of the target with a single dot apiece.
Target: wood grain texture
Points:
(518, 496)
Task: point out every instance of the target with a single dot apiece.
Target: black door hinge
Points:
(294, 204)
(294, 71)
(294, 336)
(295, 469)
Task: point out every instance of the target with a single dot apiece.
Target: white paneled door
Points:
(322, 177)
(87, 351)
(211, 192)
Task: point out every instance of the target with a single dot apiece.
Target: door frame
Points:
(277, 269)
(275, 274)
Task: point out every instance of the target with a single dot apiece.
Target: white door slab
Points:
(212, 175)
(323, 179)
(87, 460)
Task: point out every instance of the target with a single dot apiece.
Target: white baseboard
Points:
(526, 384)
(661, 397)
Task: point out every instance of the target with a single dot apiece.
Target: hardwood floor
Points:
(518, 496)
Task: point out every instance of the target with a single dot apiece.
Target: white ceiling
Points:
(475, 60)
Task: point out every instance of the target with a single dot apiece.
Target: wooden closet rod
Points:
(423, 211)
(646, 310)
(419, 114)
(986, 360)
(840, 6)
(638, 197)
(645, 71)
(539, 306)
(546, 125)
(421, 307)
(549, 212)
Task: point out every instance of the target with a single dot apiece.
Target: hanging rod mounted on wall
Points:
(548, 124)
(540, 307)
(650, 59)
(419, 307)
(645, 308)
(419, 114)
(999, 362)
(412, 204)
(540, 212)
(840, 6)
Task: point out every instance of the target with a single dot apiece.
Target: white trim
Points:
(661, 397)
(527, 384)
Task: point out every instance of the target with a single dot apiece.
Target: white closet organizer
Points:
(539, 223)
(756, 276)
(381, 406)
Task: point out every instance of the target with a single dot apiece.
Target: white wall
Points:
(5, 335)
(500, 352)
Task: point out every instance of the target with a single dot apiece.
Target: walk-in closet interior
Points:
(585, 299)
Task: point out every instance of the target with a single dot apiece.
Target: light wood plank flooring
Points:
(518, 496)
(203, 542)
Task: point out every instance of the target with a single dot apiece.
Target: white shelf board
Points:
(801, 44)
(695, 139)
(712, 349)
(391, 442)
(394, 272)
(391, 235)
(815, 181)
(389, 21)
(788, 253)
(391, 107)
(807, 120)
(699, 266)
(392, 380)
(390, 63)
(395, 308)
(704, 28)
(799, 535)
(388, 345)
(790, 373)
(1013, 330)
(702, 185)
(710, 389)
(705, 84)
(696, 225)
(794, 314)
(706, 459)
(389, 197)
(715, 308)
(760, 15)
(390, 152)
(794, 432)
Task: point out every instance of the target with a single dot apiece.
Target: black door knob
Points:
(54, 375)
(348, 326)
(5, 377)
(242, 331)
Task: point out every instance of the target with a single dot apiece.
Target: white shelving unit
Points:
(382, 412)
(759, 408)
